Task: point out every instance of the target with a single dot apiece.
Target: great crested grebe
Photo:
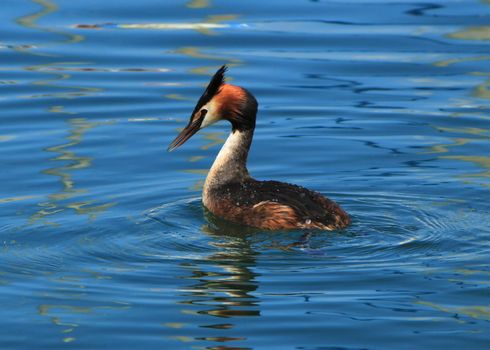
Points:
(229, 192)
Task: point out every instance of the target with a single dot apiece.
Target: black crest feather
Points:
(212, 89)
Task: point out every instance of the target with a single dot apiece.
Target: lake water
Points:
(381, 105)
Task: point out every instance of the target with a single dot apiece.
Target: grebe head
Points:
(220, 101)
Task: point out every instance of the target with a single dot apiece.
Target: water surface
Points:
(381, 105)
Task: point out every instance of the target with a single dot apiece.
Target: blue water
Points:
(381, 105)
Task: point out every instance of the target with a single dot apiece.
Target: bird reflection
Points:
(225, 280)
(223, 284)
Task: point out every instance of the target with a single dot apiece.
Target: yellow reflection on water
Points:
(87, 208)
(482, 90)
(195, 158)
(472, 33)
(204, 70)
(477, 312)
(197, 186)
(472, 272)
(5, 138)
(444, 148)
(56, 72)
(30, 21)
(176, 325)
(77, 128)
(177, 97)
(59, 109)
(182, 338)
(198, 4)
(17, 199)
(69, 311)
(197, 171)
(195, 52)
(446, 63)
(215, 139)
(470, 131)
(216, 20)
(481, 161)
(221, 18)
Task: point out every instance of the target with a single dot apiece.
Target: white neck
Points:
(231, 163)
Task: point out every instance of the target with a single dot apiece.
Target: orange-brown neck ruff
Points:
(238, 106)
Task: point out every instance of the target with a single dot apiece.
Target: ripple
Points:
(404, 229)
(177, 229)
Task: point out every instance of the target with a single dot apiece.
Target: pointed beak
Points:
(185, 134)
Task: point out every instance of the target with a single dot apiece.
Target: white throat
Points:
(231, 163)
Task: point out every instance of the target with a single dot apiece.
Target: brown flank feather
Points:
(276, 205)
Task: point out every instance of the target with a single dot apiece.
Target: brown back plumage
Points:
(273, 205)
